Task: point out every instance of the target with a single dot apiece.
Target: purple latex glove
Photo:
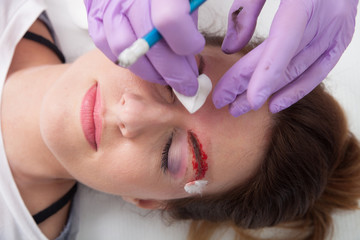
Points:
(115, 24)
(306, 40)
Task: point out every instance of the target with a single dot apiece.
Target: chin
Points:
(56, 126)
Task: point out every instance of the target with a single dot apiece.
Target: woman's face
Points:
(120, 134)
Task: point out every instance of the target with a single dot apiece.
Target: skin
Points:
(36, 191)
(43, 102)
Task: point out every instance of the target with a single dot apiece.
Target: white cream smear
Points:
(195, 187)
(194, 103)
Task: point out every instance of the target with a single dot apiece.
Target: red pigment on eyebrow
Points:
(201, 169)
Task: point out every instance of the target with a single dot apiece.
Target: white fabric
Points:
(16, 16)
(15, 220)
(108, 217)
(70, 28)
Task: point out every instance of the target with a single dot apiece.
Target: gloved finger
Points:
(235, 80)
(144, 69)
(97, 31)
(240, 106)
(177, 26)
(285, 36)
(195, 17)
(302, 61)
(193, 64)
(297, 66)
(307, 56)
(241, 24)
(117, 25)
(178, 71)
(118, 28)
(311, 78)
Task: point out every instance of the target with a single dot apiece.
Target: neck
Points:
(39, 176)
(28, 156)
(22, 97)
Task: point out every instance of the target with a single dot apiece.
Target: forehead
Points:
(217, 62)
(237, 149)
(237, 145)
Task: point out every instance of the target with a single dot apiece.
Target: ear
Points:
(150, 204)
(145, 203)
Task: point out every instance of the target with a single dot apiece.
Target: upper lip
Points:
(90, 116)
(98, 116)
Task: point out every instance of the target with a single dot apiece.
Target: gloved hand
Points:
(115, 24)
(306, 39)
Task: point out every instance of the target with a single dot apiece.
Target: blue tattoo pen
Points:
(140, 47)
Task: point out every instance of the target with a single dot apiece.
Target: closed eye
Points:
(165, 154)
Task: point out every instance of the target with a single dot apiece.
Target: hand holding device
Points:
(115, 24)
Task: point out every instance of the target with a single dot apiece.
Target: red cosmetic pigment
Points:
(199, 163)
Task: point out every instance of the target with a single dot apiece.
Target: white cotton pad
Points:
(194, 103)
(195, 187)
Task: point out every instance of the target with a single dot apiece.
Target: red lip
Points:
(90, 116)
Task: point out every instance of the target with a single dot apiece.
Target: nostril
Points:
(123, 130)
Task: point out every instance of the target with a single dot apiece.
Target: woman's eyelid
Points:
(178, 153)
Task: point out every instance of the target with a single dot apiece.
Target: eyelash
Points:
(165, 154)
(172, 95)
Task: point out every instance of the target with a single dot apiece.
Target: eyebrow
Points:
(201, 165)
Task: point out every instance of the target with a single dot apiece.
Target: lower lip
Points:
(90, 116)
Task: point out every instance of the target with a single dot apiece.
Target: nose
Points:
(137, 114)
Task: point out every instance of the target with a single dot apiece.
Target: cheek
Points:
(211, 119)
(56, 121)
(114, 170)
(126, 162)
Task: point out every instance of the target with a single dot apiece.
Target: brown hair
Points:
(311, 167)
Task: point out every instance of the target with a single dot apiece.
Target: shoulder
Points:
(16, 17)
